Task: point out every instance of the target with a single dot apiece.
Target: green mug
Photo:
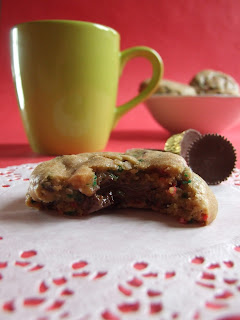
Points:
(66, 77)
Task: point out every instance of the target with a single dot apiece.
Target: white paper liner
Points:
(117, 264)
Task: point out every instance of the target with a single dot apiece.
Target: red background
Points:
(190, 35)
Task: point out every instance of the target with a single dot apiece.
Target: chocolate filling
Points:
(143, 189)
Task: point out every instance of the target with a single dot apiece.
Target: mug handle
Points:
(157, 67)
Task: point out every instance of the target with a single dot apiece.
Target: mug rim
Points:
(66, 21)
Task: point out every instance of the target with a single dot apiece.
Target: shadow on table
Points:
(16, 150)
(15, 154)
(143, 135)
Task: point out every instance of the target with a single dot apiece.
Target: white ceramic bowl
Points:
(207, 114)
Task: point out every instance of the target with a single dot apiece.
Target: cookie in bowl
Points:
(169, 87)
(213, 82)
(208, 105)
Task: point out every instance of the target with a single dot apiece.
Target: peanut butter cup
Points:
(179, 143)
(212, 157)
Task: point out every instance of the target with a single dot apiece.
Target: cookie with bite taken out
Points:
(77, 185)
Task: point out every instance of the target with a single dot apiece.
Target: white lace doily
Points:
(116, 265)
